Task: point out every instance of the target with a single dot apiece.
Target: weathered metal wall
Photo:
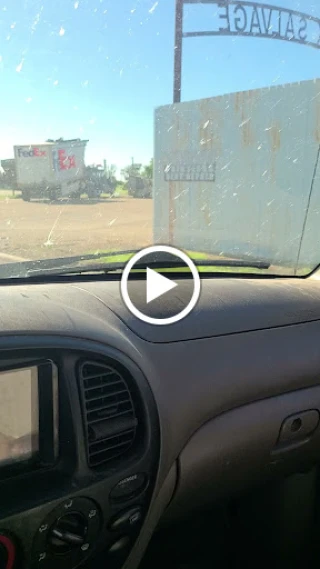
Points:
(232, 174)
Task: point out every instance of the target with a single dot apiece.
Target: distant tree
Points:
(131, 170)
(111, 171)
(147, 171)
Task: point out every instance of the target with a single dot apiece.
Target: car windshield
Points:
(189, 123)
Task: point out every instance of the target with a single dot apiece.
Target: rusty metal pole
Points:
(178, 52)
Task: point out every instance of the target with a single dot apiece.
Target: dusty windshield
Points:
(139, 122)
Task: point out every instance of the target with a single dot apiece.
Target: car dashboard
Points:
(140, 424)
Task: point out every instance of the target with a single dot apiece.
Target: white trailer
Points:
(51, 170)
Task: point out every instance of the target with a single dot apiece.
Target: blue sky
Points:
(98, 68)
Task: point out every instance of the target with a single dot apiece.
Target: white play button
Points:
(146, 291)
(157, 285)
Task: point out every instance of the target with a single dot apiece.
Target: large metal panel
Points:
(233, 174)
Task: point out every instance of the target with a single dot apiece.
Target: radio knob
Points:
(3, 557)
(69, 532)
(7, 552)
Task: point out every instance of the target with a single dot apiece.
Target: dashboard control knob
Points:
(69, 532)
(7, 552)
(67, 535)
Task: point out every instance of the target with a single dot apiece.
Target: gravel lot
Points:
(41, 230)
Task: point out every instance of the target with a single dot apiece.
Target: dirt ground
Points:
(37, 230)
(42, 230)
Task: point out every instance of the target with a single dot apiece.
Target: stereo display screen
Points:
(19, 415)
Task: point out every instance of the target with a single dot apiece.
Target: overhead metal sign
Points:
(248, 19)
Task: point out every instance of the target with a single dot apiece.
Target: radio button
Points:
(130, 486)
(125, 520)
(120, 545)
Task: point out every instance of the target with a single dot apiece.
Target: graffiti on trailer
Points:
(62, 161)
(236, 17)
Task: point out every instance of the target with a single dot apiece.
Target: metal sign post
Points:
(248, 19)
(178, 51)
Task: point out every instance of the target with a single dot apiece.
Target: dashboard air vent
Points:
(109, 412)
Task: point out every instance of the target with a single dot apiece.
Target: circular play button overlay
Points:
(159, 298)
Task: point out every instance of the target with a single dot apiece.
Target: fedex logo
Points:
(34, 152)
(62, 161)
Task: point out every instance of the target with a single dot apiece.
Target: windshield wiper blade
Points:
(63, 265)
(22, 269)
(141, 266)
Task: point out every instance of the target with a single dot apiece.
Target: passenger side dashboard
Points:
(196, 411)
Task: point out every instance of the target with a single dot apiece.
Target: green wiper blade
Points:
(141, 266)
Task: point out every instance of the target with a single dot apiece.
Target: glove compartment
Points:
(247, 446)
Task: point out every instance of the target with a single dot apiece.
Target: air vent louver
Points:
(109, 412)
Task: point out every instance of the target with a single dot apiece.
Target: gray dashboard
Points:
(224, 379)
(226, 306)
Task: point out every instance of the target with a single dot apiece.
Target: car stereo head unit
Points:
(28, 417)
